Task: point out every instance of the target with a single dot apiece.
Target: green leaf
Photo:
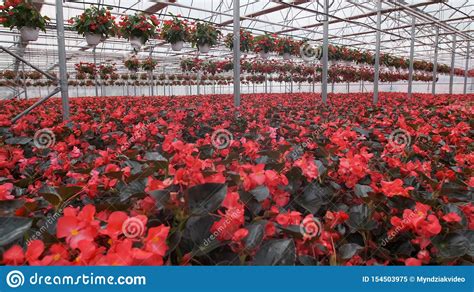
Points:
(314, 197)
(197, 230)
(154, 156)
(255, 235)
(68, 191)
(205, 198)
(359, 218)
(8, 207)
(457, 191)
(276, 252)
(133, 189)
(51, 195)
(18, 140)
(13, 228)
(362, 190)
(161, 197)
(306, 260)
(348, 250)
(321, 168)
(452, 245)
(260, 193)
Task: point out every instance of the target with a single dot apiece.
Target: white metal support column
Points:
(62, 59)
(236, 52)
(324, 84)
(466, 69)
(412, 55)
(451, 74)
(96, 83)
(377, 52)
(435, 62)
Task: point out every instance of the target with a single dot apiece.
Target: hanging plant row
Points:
(85, 75)
(267, 67)
(97, 24)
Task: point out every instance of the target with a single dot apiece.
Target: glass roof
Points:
(352, 23)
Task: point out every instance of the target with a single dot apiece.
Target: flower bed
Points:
(287, 180)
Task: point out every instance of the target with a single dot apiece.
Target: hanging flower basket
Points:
(86, 68)
(149, 64)
(93, 39)
(286, 47)
(264, 55)
(177, 46)
(96, 24)
(204, 36)
(137, 42)
(29, 34)
(246, 41)
(204, 48)
(25, 17)
(132, 64)
(175, 32)
(264, 44)
(138, 28)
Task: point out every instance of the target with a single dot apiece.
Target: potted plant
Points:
(35, 75)
(285, 47)
(25, 17)
(175, 32)
(86, 68)
(132, 64)
(138, 28)
(149, 64)
(189, 64)
(96, 24)
(107, 68)
(264, 44)
(204, 36)
(9, 75)
(246, 41)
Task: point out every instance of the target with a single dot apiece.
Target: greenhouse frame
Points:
(433, 31)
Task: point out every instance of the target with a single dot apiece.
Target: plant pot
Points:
(137, 42)
(29, 34)
(177, 46)
(264, 55)
(204, 48)
(286, 56)
(93, 39)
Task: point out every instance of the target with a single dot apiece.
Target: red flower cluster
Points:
(146, 181)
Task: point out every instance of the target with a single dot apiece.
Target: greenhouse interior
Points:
(329, 132)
